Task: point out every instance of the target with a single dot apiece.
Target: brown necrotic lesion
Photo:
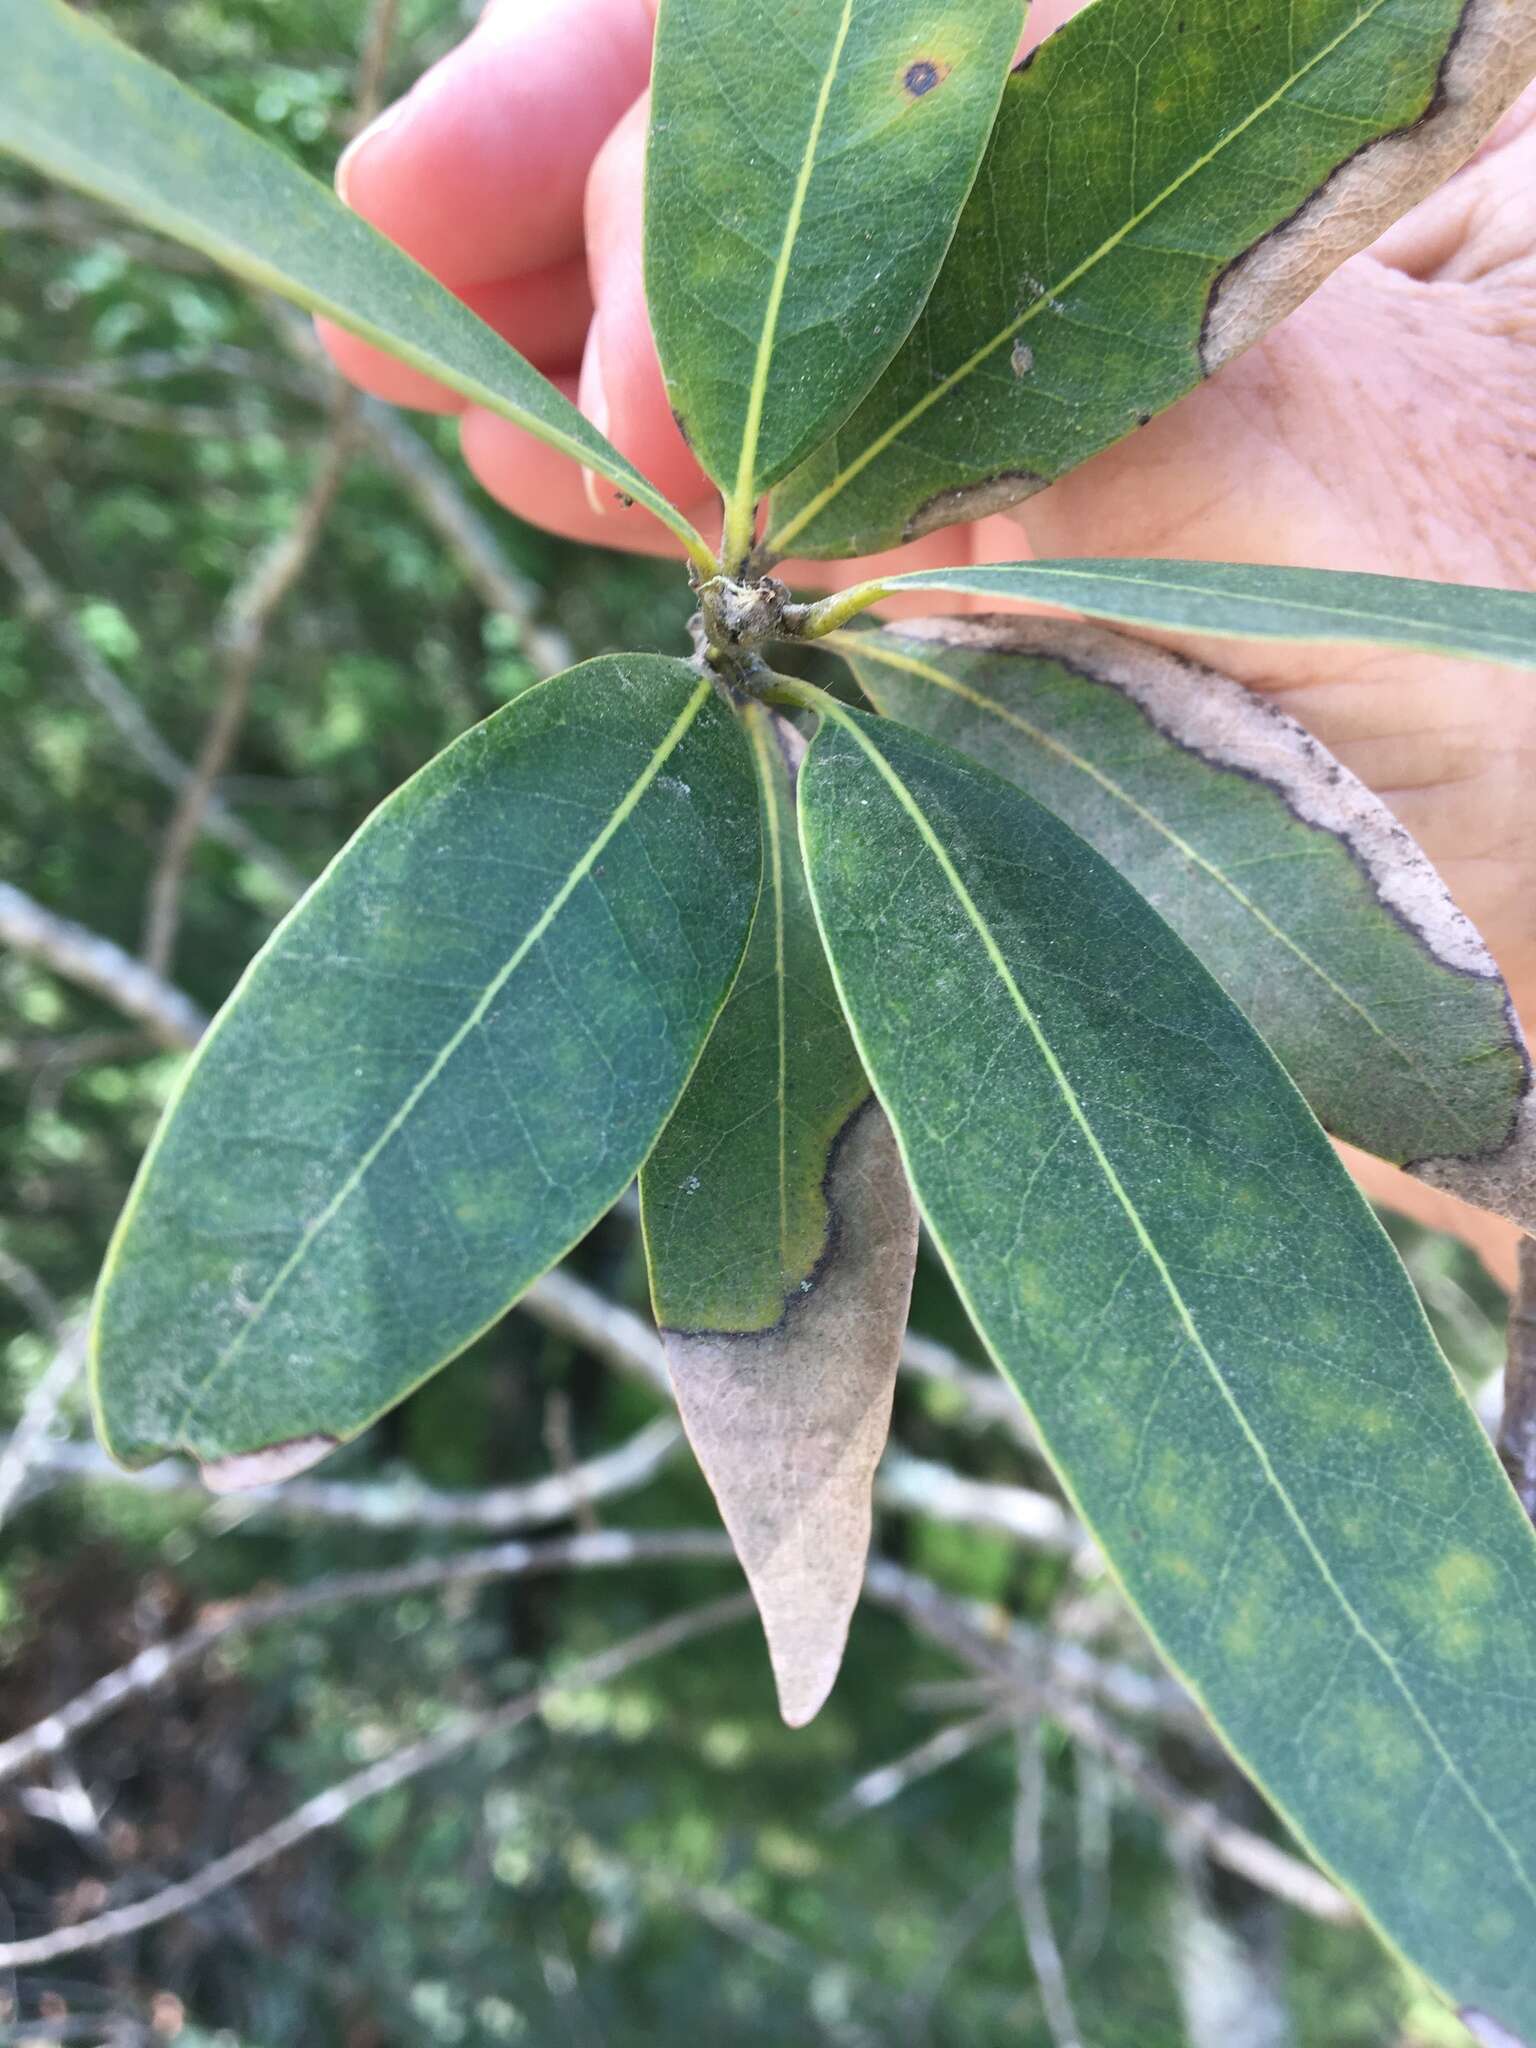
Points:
(921, 77)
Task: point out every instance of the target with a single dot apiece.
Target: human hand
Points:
(1389, 425)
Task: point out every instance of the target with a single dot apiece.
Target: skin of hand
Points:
(1388, 425)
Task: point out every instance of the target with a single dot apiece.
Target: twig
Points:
(142, 415)
(373, 61)
(609, 1549)
(1197, 1821)
(337, 1801)
(239, 637)
(43, 603)
(23, 1448)
(983, 1394)
(392, 1504)
(82, 1049)
(879, 1787)
(434, 490)
(69, 220)
(100, 965)
(927, 1488)
(1029, 1885)
(1517, 1426)
(154, 366)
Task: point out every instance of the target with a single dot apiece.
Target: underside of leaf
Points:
(789, 1423)
(1295, 885)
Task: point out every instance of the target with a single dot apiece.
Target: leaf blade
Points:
(781, 1239)
(1156, 196)
(382, 1140)
(777, 291)
(83, 108)
(1242, 601)
(1367, 983)
(1140, 1217)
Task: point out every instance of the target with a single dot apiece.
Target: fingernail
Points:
(592, 398)
(347, 161)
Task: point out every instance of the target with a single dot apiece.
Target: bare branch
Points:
(983, 1394)
(1018, 1655)
(1198, 1822)
(24, 1448)
(73, 220)
(43, 603)
(923, 1487)
(1517, 1427)
(373, 61)
(142, 415)
(240, 637)
(100, 965)
(392, 1504)
(152, 1667)
(409, 1762)
(879, 1787)
(1029, 1885)
(155, 366)
(81, 1049)
(441, 502)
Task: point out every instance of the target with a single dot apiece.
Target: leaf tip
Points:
(243, 1470)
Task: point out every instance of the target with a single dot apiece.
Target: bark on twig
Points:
(101, 966)
(44, 604)
(239, 638)
(1029, 1887)
(327, 1808)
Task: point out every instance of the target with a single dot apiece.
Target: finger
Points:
(546, 488)
(622, 390)
(1483, 220)
(543, 314)
(479, 171)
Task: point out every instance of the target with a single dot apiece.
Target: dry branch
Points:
(44, 604)
(327, 1808)
(101, 966)
(152, 1667)
(239, 638)
(1029, 1886)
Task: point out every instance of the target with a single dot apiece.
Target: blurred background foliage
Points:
(653, 1860)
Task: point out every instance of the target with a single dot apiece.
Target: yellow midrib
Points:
(858, 646)
(813, 509)
(1148, 1246)
(740, 515)
(476, 1016)
(763, 747)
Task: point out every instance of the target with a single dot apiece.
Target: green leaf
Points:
(1297, 888)
(1162, 186)
(806, 167)
(78, 105)
(1222, 1355)
(1233, 601)
(781, 1236)
(440, 1071)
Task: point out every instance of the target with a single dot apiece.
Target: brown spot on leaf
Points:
(1021, 358)
(789, 1423)
(921, 77)
(1489, 61)
(243, 1470)
(972, 501)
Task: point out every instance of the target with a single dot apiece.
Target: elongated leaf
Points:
(781, 1236)
(807, 165)
(1235, 601)
(1221, 1352)
(1297, 888)
(442, 1068)
(78, 105)
(1163, 185)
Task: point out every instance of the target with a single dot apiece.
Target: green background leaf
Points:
(1295, 886)
(806, 167)
(781, 1236)
(78, 105)
(445, 1065)
(1163, 185)
(1238, 601)
(1222, 1354)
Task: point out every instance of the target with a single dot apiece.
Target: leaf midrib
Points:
(1150, 1250)
(743, 503)
(813, 509)
(866, 651)
(472, 1021)
(763, 747)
